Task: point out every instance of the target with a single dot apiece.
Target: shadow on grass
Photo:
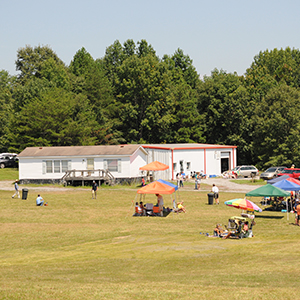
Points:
(269, 217)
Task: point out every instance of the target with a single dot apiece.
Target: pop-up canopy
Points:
(157, 187)
(268, 190)
(154, 166)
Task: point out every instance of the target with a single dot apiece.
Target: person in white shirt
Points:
(215, 190)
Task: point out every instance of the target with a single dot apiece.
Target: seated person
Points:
(245, 230)
(39, 201)
(142, 207)
(138, 209)
(235, 233)
(180, 207)
(217, 231)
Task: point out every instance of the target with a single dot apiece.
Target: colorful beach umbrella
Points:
(243, 203)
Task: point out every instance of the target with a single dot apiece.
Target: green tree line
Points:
(132, 96)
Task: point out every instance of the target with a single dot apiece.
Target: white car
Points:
(245, 171)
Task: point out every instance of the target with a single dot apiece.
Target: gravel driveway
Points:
(224, 185)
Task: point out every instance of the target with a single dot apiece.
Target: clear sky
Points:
(215, 34)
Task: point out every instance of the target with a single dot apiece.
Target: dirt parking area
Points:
(224, 185)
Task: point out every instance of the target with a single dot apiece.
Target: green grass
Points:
(9, 174)
(249, 181)
(79, 248)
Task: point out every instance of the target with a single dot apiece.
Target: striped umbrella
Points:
(244, 204)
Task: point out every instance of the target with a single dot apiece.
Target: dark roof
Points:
(80, 150)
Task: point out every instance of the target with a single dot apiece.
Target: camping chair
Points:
(232, 225)
(156, 211)
(149, 209)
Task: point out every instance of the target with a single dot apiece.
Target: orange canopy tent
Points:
(156, 187)
(154, 166)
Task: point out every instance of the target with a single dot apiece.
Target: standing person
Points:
(39, 201)
(298, 214)
(181, 179)
(215, 190)
(196, 182)
(178, 180)
(160, 202)
(16, 189)
(296, 206)
(94, 189)
(143, 181)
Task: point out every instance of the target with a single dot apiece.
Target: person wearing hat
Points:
(94, 189)
(16, 189)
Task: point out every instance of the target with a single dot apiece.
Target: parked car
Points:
(292, 172)
(8, 160)
(271, 173)
(245, 171)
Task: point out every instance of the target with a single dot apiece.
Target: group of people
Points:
(180, 177)
(141, 209)
(243, 230)
(39, 199)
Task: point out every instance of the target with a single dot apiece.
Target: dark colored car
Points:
(8, 161)
(292, 172)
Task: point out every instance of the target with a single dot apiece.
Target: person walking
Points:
(94, 189)
(215, 190)
(16, 189)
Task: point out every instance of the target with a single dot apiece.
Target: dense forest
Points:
(133, 96)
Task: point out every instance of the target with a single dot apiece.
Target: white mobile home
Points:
(49, 164)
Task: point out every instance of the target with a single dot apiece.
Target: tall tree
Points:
(55, 118)
(227, 109)
(81, 63)
(181, 65)
(6, 108)
(29, 61)
(276, 133)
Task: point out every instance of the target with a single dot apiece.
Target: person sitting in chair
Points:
(234, 233)
(180, 206)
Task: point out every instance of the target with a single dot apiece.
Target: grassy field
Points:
(9, 174)
(79, 248)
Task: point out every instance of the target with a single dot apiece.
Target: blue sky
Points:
(215, 34)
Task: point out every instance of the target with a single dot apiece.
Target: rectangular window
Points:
(188, 166)
(64, 165)
(112, 165)
(49, 168)
(56, 166)
(90, 164)
(175, 167)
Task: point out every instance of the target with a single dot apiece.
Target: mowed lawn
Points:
(79, 248)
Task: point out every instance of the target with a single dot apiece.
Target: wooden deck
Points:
(86, 177)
